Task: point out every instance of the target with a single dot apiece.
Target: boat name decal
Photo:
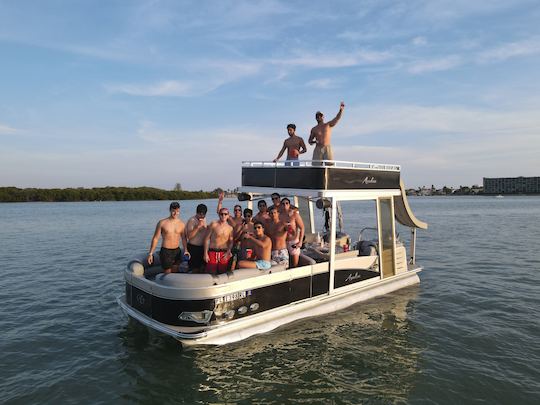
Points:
(233, 297)
(369, 180)
(352, 277)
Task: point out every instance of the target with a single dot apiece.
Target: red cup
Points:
(249, 253)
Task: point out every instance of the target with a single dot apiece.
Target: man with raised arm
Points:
(218, 244)
(170, 229)
(277, 230)
(295, 146)
(263, 248)
(195, 235)
(321, 135)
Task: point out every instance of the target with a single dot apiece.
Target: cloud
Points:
(435, 65)
(510, 50)
(325, 83)
(7, 130)
(333, 59)
(414, 119)
(171, 88)
(419, 41)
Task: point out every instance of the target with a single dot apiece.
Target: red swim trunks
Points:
(217, 263)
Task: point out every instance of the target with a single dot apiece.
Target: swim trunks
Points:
(323, 153)
(196, 259)
(170, 257)
(217, 263)
(263, 264)
(293, 248)
(280, 256)
(292, 162)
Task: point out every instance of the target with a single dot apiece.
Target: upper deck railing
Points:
(338, 164)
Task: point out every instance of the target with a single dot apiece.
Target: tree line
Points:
(14, 194)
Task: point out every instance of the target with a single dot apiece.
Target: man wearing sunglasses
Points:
(237, 219)
(262, 249)
(218, 244)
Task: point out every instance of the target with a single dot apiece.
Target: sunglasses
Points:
(223, 214)
(238, 209)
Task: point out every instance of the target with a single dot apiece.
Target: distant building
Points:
(512, 185)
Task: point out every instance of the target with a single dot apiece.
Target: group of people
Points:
(320, 136)
(241, 240)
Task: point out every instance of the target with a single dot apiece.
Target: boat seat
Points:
(187, 280)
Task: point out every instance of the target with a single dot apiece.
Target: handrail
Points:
(325, 163)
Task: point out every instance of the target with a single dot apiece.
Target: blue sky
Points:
(132, 93)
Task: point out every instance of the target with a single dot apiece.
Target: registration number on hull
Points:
(233, 297)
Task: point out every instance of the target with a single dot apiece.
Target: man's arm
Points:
(338, 116)
(153, 244)
(220, 201)
(303, 148)
(192, 229)
(300, 225)
(312, 136)
(280, 152)
(184, 241)
(230, 244)
(206, 242)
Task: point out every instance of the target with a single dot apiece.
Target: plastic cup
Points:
(249, 253)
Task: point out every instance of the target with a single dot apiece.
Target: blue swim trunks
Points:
(263, 264)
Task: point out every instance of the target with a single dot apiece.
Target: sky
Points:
(154, 93)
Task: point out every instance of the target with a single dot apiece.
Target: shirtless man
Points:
(262, 215)
(242, 229)
(218, 244)
(321, 135)
(170, 229)
(277, 230)
(195, 234)
(237, 219)
(295, 230)
(295, 146)
(262, 250)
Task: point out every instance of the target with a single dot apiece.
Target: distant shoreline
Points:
(15, 194)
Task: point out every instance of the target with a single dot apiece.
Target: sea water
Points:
(468, 333)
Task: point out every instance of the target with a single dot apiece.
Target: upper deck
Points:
(321, 175)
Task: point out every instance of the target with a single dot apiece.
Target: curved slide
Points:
(403, 212)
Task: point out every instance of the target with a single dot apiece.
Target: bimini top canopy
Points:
(320, 175)
(331, 175)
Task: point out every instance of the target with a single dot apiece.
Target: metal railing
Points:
(326, 163)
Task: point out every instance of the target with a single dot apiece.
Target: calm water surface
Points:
(469, 333)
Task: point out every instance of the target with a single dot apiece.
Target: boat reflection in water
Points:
(364, 351)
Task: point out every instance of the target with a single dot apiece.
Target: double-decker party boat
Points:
(333, 272)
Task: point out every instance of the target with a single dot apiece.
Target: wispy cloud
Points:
(170, 88)
(325, 83)
(435, 65)
(7, 130)
(510, 50)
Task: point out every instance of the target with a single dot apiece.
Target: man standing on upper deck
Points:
(295, 146)
(170, 229)
(321, 135)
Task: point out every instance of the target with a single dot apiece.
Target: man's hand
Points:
(221, 195)
(275, 160)
(150, 258)
(342, 106)
(206, 258)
